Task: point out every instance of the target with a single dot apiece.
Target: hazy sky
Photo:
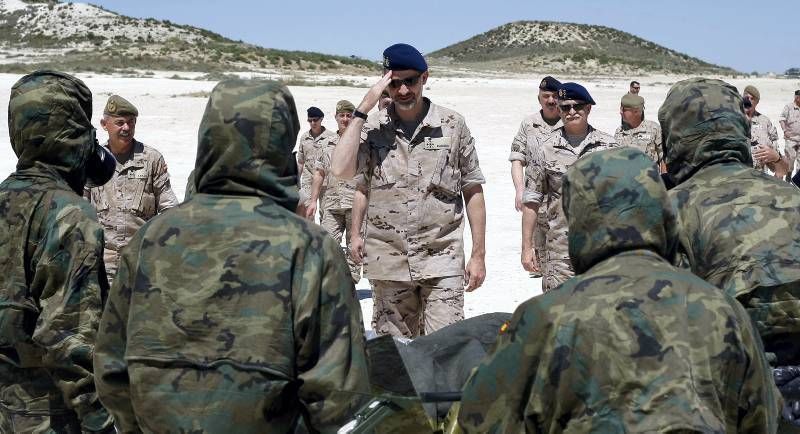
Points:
(761, 35)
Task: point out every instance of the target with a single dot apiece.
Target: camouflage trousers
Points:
(556, 270)
(410, 309)
(337, 222)
(42, 424)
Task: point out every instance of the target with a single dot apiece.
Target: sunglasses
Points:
(395, 83)
(314, 119)
(568, 107)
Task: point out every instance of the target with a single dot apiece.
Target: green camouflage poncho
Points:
(632, 343)
(229, 313)
(52, 279)
(740, 228)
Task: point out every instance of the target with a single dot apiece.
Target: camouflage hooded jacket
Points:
(740, 228)
(229, 313)
(632, 343)
(52, 282)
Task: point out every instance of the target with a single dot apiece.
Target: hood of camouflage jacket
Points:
(49, 124)
(615, 201)
(703, 123)
(245, 142)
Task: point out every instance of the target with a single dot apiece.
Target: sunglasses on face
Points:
(314, 119)
(566, 108)
(395, 83)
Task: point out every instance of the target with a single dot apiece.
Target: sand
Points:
(493, 108)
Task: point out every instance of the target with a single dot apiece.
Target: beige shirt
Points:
(308, 150)
(138, 191)
(415, 218)
(791, 116)
(646, 138)
(543, 181)
(532, 128)
(764, 133)
(338, 192)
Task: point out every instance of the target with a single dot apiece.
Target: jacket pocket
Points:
(446, 173)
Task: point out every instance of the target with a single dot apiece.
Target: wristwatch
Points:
(358, 114)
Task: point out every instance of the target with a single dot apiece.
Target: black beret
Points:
(797, 92)
(574, 91)
(315, 112)
(403, 56)
(549, 84)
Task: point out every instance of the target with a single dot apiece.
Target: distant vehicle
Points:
(792, 73)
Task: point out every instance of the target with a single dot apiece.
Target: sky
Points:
(748, 36)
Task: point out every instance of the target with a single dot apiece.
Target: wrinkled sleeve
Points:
(71, 274)
(519, 144)
(301, 152)
(773, 135)
(165, 197)
(659, 145)
(363, 162)
(471, 173)
(330, 356)
(111, 369)
(758, 397)
(784, 114)
(323, 161)
(535, 177)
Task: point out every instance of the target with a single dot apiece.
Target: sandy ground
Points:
(493, 108)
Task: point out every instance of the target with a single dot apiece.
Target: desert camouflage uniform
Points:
(549, 162)
(337, 204)
(139, 190)
(308, 150)
(532, 128)
(632, 343)
(415, 217)
(791, 115)
(764, 133)
(52, 282)
(740, 227)
(229, 312)
(646, 138)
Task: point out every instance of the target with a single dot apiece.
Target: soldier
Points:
(308, 150)
(140, 188)
(538, 125)
(740, 228)
(763, 137)
(417, 162)
(632, 343)
(634, 88)
(52, 280)
(637, 132)
(549, 159)
(790, 124)
(231, 312)
(337, 202)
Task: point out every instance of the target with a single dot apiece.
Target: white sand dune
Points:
(493, 109)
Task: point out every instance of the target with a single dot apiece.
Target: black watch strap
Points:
(358, 114)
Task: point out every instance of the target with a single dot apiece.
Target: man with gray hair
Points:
(140, 188)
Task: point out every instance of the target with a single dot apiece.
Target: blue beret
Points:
(549, 84)
(403, 56)
(576, 92)
(315, 112)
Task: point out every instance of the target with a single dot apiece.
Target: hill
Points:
(567, 47)
(83, 37)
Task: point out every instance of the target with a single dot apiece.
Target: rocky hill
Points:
(83, 37)
(566, 47)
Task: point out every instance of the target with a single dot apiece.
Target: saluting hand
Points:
(374, 93)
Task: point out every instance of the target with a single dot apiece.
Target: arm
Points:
(530, 213)
(162, 189)
(113, 384)
(360, 203)
(71, 279)
(330, 356)
(344, 158)
(517, 175)
(316, 186)
(476, 214)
